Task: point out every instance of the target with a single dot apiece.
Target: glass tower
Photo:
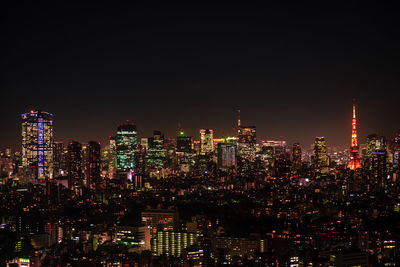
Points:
(37, 143)
(126, 145)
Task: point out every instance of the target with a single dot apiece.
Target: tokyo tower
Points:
(354, 162)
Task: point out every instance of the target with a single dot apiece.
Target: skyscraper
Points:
(37, 143)
(320, 158)
(156, 155)
(60, 163)
(126, 145)
(247, 142)
(226, 155)
(184, 143)
(376, 155)
(206, 141)
(354, 162)
(296, 156)
(75, 173)
(396, 153)
(93, 163)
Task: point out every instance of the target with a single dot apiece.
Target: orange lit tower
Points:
(354, 162)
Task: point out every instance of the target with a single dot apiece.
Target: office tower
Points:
(184, 143)
(376, 155)
(93, 163)
(226, 155)
(279, 147)
(296, 156)
(112, 157)
(396, 153)
(354, 162)
(75, 173)
(84, 162)
(320, 158)
(6, 164)
(247, 142)
(60, 160)
(156, 154)
(126, 145)
(37, 143)
(206, 141)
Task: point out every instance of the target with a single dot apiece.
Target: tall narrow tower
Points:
(354, 162)
(37, 143)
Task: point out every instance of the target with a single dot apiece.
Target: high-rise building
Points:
(278, 146)
(396, 153)
(60, 161)
(37, 143)
(376, 155)
(206, 141)
(226, 155)
(156, 155)
(93, 163)
(296, 156)
(126, 145)
(320, 158)
(75, 172)
(354, 162)
(184, 143)
(247, 142)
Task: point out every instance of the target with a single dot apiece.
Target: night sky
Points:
(292, 68)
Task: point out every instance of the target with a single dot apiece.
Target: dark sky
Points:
(292, 68)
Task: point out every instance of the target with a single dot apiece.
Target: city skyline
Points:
(196, 135)
(200, 134)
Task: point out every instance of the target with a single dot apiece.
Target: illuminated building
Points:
(354, 162)
(75, 173)
(206, 141)
(279, 147)
(138, 237)
(93, 163)
(156, 154)
(193, 256)
(144, 142)
(183, 143)
(173, 243)
(166, 220)
(37, 143)
(320, 158)
(6, 164)
(226, 155)
(112, 157)
(126, 145)
(349, 258)
(136, 178)
(396, 153)
(296, 156)
(60, 163)
(233, 246)
(247, 142)
(376, 155)
(266, 157)
(19, 262)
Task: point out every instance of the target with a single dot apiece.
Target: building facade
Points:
(37, 143)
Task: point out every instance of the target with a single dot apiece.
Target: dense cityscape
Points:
(200, 134)
(201, 200)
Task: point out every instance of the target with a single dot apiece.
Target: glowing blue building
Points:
(37, 143)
